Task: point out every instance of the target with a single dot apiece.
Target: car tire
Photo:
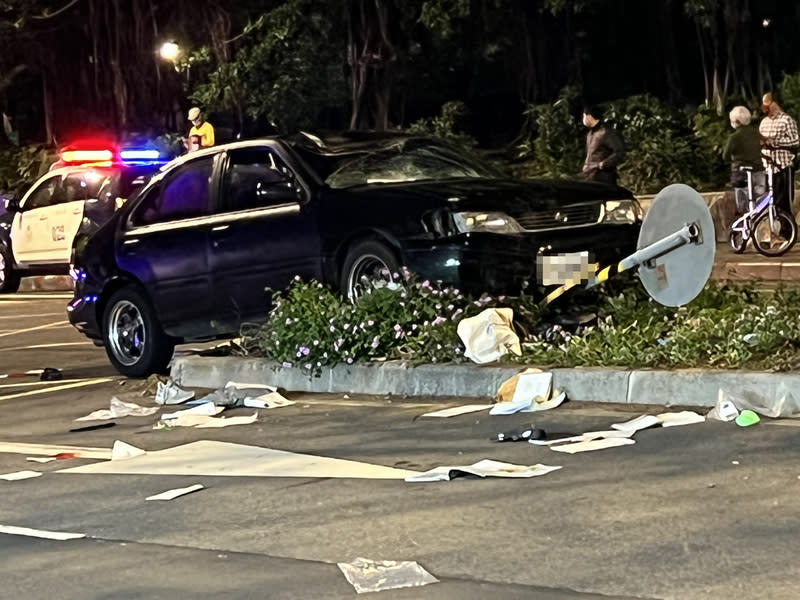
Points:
(367, 259)
(132, 335)
(9, 278)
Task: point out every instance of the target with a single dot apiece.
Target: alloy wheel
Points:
(126, 333)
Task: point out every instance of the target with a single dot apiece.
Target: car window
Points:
(185, 195)
(258, 178)
(82, 186)
(42, 196)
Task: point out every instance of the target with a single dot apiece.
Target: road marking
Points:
(61, 536)
(52, 325)
(57, 388)
(51, 450)
(58, 314)
(40, 346)
(33, 383)
(16, 297)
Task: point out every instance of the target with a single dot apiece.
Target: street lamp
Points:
(169, 51)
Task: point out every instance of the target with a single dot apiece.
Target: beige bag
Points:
(489, 336)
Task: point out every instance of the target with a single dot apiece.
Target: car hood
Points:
(511, 196)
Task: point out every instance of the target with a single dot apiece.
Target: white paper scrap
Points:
(120, 451)
(41, 459)
(251, 386)
(19, 475)
(270, 400)
(483, 468)
(119, 409)
(212, 422)
(539, 403)
(207, 408)
(458, 410)
(172, 494)
(686, 417)
(588, 446)
(40, 533)
(531, 386)
(367, 575)
(639, 423)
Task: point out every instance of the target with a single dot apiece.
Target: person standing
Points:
(779, 140)
(201, 135)
(604, 148)
(743, 151)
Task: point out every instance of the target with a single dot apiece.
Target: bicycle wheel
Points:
(774, 237)
(737, 240)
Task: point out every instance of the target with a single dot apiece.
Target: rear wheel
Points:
(737, 240)
(368, 264)
(774, 237)
(9, 278)
(134, 340)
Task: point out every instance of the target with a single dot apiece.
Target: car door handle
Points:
(77, 211)
(131, 242)
(43, 218)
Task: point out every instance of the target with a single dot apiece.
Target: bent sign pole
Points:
(675, 251)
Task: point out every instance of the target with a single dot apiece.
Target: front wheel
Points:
(368, 264)
(776, 236)
(9, 278)
(134, 340)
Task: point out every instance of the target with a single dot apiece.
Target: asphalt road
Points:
(702, 511)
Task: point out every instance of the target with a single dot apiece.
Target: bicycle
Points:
(772, 230)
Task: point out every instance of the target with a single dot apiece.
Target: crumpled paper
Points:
(489, 336)
(118, 409)
(367, 575)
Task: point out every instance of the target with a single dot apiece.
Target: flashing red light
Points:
(86, 156)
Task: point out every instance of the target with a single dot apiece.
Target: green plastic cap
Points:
(747, 418)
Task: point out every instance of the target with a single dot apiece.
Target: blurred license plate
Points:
(565, 268)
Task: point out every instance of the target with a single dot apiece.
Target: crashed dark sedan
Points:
(194, 254)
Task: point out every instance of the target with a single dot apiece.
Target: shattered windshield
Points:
(410, 160)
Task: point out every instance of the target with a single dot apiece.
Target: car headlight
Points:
(621, 211)
(488, 222)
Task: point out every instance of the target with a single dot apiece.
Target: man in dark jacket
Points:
(604, 149)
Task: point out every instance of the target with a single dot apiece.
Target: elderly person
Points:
(743, 150)
(780, 140)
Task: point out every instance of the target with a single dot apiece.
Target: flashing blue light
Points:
(139, 155)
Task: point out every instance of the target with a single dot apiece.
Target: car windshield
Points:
(122, 183)
(409, 160)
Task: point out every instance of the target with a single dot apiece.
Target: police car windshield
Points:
(123, 182)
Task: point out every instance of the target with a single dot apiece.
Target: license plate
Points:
(565, 268)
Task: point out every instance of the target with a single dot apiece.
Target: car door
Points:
(31, 238)
(164, 244)
(78, 189)
(264, 234)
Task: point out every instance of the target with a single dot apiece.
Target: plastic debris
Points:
(489, 336)
(779, 402)
(121, 451)
(176, 493)
(598, 444)
(203, 421)
(50, 374)
(367, 575)
(458, 410)
(20, 475)
(170, 393)
(206, 408)
(483, 468)
(724, 410)
(746, 418)
(248, 395)
(529, 391)
(41, 459)
(118, 409)
(520, 434)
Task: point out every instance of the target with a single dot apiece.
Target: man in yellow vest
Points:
(201, 135)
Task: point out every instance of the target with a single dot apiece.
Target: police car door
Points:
(78, 188)
(30, 232)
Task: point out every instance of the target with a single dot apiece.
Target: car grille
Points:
(574, 215)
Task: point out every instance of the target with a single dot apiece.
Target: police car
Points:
(64, 207)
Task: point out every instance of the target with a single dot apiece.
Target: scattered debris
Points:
(206, 408)
(50, 374)
(637, 424)
(367, 575)
(786, 405)
(39, 533)
(590, 445)
(122, 451)
(213, 422)
(119, 409)
(248, 395)
(529, 391)
(50, 450)
(202, 421)
(724, 410)
(19, 475)
(41, 459)
(211, 458)
(458, 410)
(520, 434)
(172, 494)
(483, 468)
(584, 437)
(170, 393)
(746, 418)
(668, 419)
(93, 427)
(489, 336)
(22, 373)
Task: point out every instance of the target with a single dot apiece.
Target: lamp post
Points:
(170, 51)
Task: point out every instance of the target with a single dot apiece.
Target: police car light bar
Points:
(140, 155)
(86, 156)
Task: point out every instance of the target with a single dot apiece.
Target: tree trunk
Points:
(671, 71)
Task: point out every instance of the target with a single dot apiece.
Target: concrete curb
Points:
(662, 388)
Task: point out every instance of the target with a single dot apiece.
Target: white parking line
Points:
(58, 314)
(41, 346)
(45, 383)
(41, 533)
(38, 297)
(57, 388)
(37, 328)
